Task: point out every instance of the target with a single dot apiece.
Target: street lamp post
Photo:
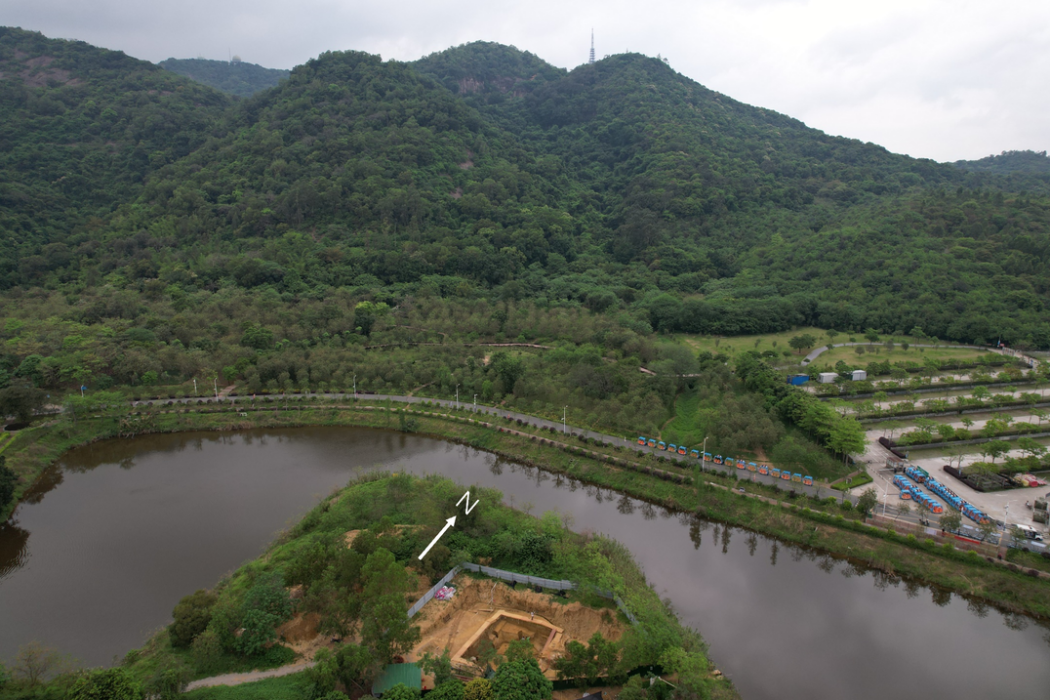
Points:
(355, 386)
(215, 384)
(703, 451)
(194, 386)
(475, 403)
(563, 413)
(1006, 525)
(457, 397)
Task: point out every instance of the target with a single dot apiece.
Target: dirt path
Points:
(248, 677)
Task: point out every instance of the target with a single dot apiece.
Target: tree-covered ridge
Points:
(392, 176)
(1009, 162)
(80, 128)
(489, 70)
(232, 77)
(621, 186)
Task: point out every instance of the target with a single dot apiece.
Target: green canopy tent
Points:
(409, 674)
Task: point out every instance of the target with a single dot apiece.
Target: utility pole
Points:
(475, 403)
(457, 397)
(215, 385)
(355, 386)
(563, 411)
(194, 386)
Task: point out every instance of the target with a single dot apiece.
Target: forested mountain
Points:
(1010, 162)
(483, 171)
(234, 77)
(80, 129)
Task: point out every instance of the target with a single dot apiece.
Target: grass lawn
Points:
(856, 481)
(735, 344)
(684, 428)
(880, 354)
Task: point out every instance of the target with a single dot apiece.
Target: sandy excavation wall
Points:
(451, 623)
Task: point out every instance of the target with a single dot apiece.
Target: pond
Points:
(117, 532)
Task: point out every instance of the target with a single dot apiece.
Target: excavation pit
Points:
(483, 607)
(504, 627)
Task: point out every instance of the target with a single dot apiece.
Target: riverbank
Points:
(603, 466)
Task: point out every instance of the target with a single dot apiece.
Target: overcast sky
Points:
(942, 79)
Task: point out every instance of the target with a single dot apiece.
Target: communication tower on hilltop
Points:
(592, 47)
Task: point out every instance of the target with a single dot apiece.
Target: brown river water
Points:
(118, 531)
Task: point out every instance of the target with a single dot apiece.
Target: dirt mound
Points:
(300, 628)
(300, 634)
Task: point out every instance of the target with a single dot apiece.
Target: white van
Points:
(1029, 532)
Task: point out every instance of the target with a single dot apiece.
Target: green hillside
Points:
(482, 171)
(232, 77)
(1010, 162)
(80, 129)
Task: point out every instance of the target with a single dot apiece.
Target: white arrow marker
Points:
(466, 497)
(448, 523)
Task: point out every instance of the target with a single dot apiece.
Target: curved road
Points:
(566, 428)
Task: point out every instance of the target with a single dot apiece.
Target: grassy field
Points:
(683, 428)
(897, 354)
(736, 344)
(741, 343)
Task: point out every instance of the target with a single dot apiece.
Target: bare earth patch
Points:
(453, 623)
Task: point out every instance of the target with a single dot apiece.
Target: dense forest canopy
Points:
(484, 172)
(234, 77)
(1007, 162)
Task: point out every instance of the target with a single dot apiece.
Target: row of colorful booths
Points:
(763, 469)
(911, 492)
(923, 477)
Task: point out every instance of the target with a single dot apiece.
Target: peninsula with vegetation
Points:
(333, 595)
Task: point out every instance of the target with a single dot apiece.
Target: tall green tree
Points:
(521, 679)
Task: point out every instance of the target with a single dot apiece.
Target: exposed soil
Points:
(451, 623)
(300, 634)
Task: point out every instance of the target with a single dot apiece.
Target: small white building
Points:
(827, 377)
(859, 375)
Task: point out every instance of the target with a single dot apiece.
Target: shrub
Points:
(106, 684)
(401, 692)
(450, 690)
(207, 652)
(478, 689)
(191, 617)
(169, 681)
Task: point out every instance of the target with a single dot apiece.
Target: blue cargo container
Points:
(798, 379)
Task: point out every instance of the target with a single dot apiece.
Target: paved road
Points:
(566, 429)
(250, 676)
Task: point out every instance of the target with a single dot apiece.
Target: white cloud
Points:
(932, 78)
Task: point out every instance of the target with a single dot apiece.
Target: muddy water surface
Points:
(120, 530)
